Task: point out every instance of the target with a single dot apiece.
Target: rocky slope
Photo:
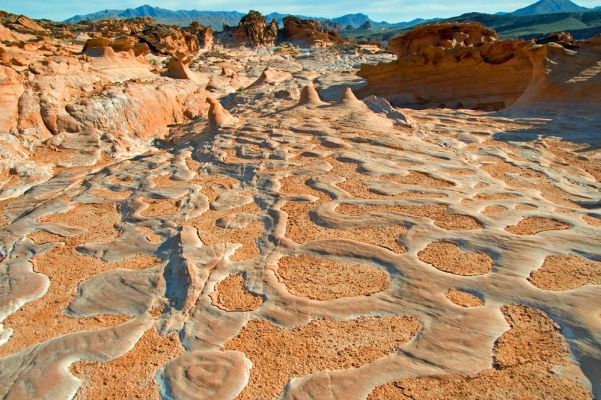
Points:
(238, 224)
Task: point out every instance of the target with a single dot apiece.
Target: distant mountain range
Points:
(549, 7)
(582, 25)
(216, 19)
(543, 16)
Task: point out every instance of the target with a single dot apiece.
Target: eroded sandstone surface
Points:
(182, 218)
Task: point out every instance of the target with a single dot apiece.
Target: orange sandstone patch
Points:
(98, 221)
(301, 228)
(459, 172)
(247, 236)
(43, 237)
(160, 207)
(525, 207)
(493, 210)
(231, 295)
(496, 196)
(357, 187)
(109, 194)
(4, 221)
(448, 257)
(213, 184)
(150, 235)
(322, 279)
(524, 357)
(433, 211)
(506, 172)
(192, 164)
(163, 181)
(458, 222)
(592, 221)
(533, 337)
(130, 376)
(420, 179)
(464, 299)
(534, 225)
(279, 354)
(437, 212)
(566, 272)
(45, 318)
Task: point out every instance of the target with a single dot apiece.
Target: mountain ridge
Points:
(216, 19)
(550, 7)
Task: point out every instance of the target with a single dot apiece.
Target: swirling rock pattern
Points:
(285, 246)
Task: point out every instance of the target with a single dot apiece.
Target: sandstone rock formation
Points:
(563, 38)
(144, 35)
(111, 28)
(563, 78)
(421, 40)
(169, 40)
(102, 103)
(218, 116)
(465, 66)
(203, 34)
(452, 65)
(309, 97)
(308, 33)
(253, 31)
(177, 67)
(22, 24)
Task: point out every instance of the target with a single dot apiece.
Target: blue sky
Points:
(388, 10)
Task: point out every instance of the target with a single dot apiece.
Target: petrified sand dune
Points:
(185, 224)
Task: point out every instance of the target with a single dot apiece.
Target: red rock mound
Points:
(308, 33)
